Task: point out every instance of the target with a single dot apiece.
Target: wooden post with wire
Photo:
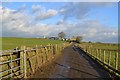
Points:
(104, 55)
(109, 58)
(100, 53)
(25, 63)
(116, 61)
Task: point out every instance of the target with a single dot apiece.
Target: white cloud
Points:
(91, 30)
(46, 14)
(19, 24)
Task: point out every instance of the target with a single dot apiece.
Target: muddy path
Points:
(72, 63)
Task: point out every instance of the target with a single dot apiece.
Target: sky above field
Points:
(95, 21)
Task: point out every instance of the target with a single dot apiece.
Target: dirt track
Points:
(72, 63)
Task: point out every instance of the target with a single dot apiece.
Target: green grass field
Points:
(11, 43)
(101, 45)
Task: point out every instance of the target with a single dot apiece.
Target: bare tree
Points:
(61, 35)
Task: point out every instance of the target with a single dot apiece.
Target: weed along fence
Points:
(21, 63)
(108, 58)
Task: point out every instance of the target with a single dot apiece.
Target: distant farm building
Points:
(53, 38)
(72, 39)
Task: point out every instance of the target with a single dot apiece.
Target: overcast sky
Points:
(95, 21)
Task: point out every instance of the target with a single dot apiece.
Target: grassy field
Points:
(33, 58)
(101, 45)
(11, 43)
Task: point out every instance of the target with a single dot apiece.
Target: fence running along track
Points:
(21, 63)
(110, 59)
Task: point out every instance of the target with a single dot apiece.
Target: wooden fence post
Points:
(22, 60)
(51, 49)
(42, 54)
(25, 63)
(104, 56)
(100, 55)
(46, 52)
(97, 53)
(109, 59)
(91, 50)
(37, 57)
(11, 66)
(56, 50)
(18, 56)
(86, 50)
(116, 61)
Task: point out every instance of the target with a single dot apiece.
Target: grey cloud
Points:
(61, 22)
(41, 13)
(77, 10)
(80, 10)
(46, 14)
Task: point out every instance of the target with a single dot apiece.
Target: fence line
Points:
(110, 58)
(25, 61)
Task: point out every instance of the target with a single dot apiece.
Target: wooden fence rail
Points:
(25, 61)
(109, 58)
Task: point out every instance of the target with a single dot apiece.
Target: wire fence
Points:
(107, 57)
